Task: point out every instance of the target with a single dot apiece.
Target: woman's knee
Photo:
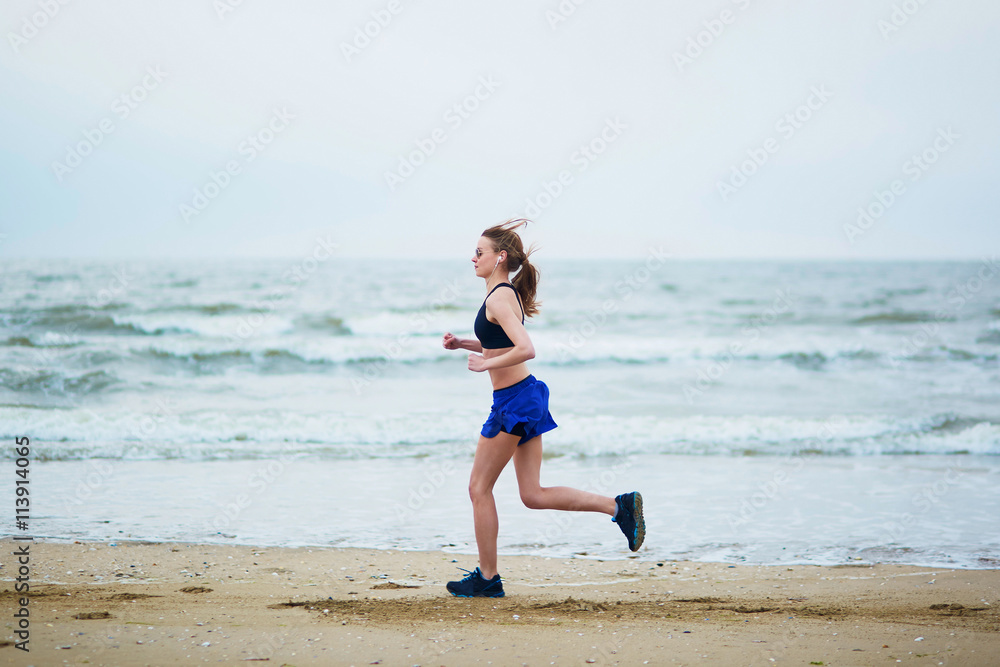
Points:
(479, 491)
(532, 498)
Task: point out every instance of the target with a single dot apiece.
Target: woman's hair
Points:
(504, 237)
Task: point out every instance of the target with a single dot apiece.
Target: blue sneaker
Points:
(629, 518)
(476, 586)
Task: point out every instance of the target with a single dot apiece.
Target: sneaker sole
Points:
(640, 523)
(459, 595)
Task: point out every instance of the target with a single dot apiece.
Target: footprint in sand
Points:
(196, 589)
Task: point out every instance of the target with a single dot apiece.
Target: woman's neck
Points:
(495, 280)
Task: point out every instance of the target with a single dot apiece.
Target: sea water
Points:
(769, 412)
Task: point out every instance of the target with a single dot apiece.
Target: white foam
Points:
(262, 433)
(215, 326)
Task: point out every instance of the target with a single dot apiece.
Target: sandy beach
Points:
(142, 603)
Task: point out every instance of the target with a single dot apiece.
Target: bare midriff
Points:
(505, 377)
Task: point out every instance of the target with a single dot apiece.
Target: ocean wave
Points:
(808, 360)
(904, 291)
(291, 353)
(19, 341)
(77, 321)
(73, 433)
(66, 310)
(895, 317)
(991, 337)
(840, 435)
(210, 320)
(305, 353)
(55, 277)
(950, 423)
(27, 341)
(222, 308)
(210, 327)
(54, 383)
(45, 340)
(388, 323)
(79, 434)
(860, 354)
(325, 323)
(429, 308)
(822, 354)
(209, 362)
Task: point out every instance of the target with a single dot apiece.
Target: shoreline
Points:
(503, 553)
(185, 603)
(762, 509)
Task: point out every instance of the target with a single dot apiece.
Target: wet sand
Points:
(174, 603)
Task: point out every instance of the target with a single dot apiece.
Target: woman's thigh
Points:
(492, 455)
(528, 463)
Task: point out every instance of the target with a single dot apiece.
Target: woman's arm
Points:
(510, 320)
(452, 342)
(511, 357)
(472, 344)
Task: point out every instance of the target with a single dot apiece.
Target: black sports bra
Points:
(492, 336)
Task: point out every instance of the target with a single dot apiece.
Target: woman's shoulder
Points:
(504, 292)
(504, 297)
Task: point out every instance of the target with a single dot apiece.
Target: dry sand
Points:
(167, 604)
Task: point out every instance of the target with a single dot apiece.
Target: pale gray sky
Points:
(674, 99)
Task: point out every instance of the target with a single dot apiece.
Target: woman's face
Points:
(485, 258)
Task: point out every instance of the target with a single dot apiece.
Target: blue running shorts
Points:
(521, 409)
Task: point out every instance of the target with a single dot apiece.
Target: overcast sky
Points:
(746, 129)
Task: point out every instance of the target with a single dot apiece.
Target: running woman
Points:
(520, 413)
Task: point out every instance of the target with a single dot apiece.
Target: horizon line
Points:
(447, 258)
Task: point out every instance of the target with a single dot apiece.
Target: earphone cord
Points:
(492, 272)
